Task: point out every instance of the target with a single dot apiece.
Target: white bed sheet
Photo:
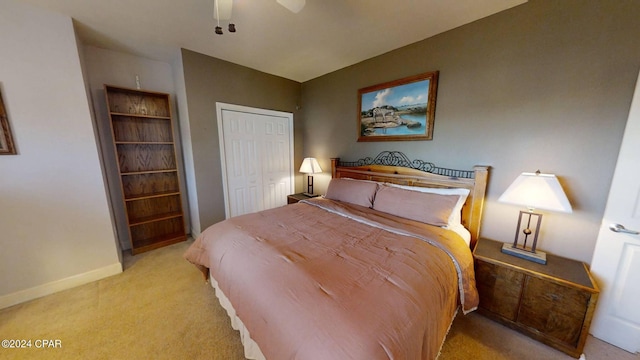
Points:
(251, 349)
(462, 231)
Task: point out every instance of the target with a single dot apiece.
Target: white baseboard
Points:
(59, 285)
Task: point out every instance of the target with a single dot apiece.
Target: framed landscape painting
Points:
(398, 110)
(6, 140)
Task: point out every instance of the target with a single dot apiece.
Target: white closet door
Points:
(243, 175)
(257, 158)
(277, 182)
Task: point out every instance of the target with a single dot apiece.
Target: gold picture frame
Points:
(398, 110)
(7, 146)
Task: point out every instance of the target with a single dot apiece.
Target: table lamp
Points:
(310, 166)
(534, 191)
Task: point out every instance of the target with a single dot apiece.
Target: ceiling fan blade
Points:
(292, 5)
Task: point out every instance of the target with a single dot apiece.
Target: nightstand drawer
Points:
(555, 310)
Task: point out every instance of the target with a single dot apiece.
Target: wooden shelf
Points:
(143, 140)
(143, 143)
(145, 157)
(138, 103)
(158, 242)
(141, 116)
(150, 219)
(146, 129)
(158, 231)
(148, 172)
(151, 196)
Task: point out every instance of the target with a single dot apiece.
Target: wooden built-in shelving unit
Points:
(142, 130)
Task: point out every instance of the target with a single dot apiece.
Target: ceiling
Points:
(325, 36)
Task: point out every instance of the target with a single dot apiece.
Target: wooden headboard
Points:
(394, 167)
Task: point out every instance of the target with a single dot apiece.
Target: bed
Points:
(375, 269)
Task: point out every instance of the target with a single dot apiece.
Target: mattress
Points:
(323, 279)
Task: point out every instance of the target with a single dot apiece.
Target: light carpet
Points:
(161, 308)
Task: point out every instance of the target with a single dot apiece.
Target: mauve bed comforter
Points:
(322, 279)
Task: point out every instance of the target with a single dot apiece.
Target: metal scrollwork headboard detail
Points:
(397, 158)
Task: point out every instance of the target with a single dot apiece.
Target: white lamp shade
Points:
(310, 166)
(222, 9)
(537, 191)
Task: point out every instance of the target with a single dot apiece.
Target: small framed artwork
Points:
(398, 110)
(6, 140)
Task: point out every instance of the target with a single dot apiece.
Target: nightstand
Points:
(294, 198)
(552, 303)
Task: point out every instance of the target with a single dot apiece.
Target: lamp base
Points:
(537, 256)
(309, 194)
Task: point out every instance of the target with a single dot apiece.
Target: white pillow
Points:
(456, 214)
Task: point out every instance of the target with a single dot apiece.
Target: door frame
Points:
(608, 323)
(220, 106)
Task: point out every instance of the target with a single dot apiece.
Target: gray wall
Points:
(546, 85)
(207, 81)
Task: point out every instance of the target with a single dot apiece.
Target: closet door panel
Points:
(244, 176)
(276, 161)
(257, 158)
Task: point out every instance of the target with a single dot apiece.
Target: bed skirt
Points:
(251, 349)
